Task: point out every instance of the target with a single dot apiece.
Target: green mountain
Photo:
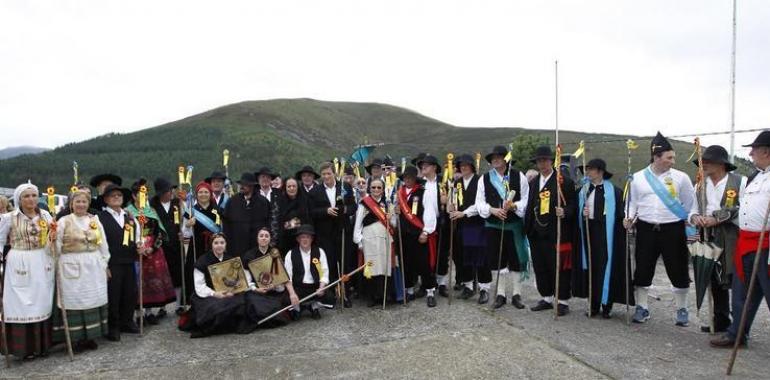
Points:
(286, 134)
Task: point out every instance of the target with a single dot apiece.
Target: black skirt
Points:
(259, 306)
(213, 315)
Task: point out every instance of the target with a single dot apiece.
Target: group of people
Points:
(401, 224)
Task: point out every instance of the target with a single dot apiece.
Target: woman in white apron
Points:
(371, 235)
(28, 284)
(83, 259)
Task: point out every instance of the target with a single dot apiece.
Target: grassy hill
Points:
(286, 134)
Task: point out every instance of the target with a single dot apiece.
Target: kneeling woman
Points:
(216, 312)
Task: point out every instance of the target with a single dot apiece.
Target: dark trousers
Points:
(331, 244)
(455, 248)
(740, 288)
(122, 295)
(417, 263)
(544, 264)
(509, 258)
(721, 296)
(668, 240)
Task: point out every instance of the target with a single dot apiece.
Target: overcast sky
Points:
(70, 70)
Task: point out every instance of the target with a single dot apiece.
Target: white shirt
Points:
(203, 290)
(754, 201)
(166, 206)
(430, 205)
(331, 194)
(484, 208)
(544, 180)
(647, 206)
(714, 194)
(590, 200)
(266, 194)
(308, 278)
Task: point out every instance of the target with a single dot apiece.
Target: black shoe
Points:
(113, 335)
(483, 297)
(562, 310)
(421, 293)
(197, 334)
(442, 291)
(151, 319)
(541, 305)
(78, 347)
(466, 293)
(374, 302)
(294, 315)
(161, 313)
(410, 297)
(499, 301)
(179, 311)
(130, 329)
(431, 301)
(606, 314)
(592, 313)
(725, 342)
(516, 301)
(458, 286)
(90, 344)
(717, 329)
(347, 303)
(315, 314)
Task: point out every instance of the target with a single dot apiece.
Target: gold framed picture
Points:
(228, 276)
(268, 270)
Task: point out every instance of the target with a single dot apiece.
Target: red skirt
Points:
(746, 245)
(157, 288)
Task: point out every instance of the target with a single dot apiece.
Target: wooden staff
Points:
(387, 271)
(588, 247)
(558, 231)
(59, 302)
(506, 181)
(701, 182)
(401, 258)
(182, 248)
(343, 278)
(752, 283)
(142, 202)
(3, 334)
(630, 145)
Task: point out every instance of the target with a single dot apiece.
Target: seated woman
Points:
(271, 298)
(216, 312)
(308, 271)
(83, 264)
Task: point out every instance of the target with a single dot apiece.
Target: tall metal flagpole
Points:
(558, 197)
(732, 88)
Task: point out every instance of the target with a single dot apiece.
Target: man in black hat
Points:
(100, 182)
(471, 241)
(170, 210)
(418, 224)
(659, 203)
(308, 270)
(265, 177)
(245, 214)
(307, 178)
(502, 199)
(121, 231)
(753, 203)
(718, 212)
(601, 226)
(435, 198)
(217, 181)
(549, 200)
(331, 206)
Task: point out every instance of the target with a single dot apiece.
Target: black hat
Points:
(305, 229)
(388, 161)
(465, 159)
(162, 185)
(265, 171)
(763, 139)
(112, 187)
(419, 157)
(348, 170)
(599, 164)
(375, 162)
(543, 151)
(97, 179)
(409, 171)
(136, 185)
(659, 144)
(306, 169)
(248, 179)
(215, 175)
(497, 150)
(429, 159)
(718, 154)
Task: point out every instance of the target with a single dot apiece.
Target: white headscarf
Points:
(20, 189)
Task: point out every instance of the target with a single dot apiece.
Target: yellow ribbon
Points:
(176, 215)
(43, 231)
(545, 202)
(478, 160)
(181, 176)
(631, 144)
(670, 186)
(368, 270)
(51, 200)
(580, 150)
(356, 171)
(127, 232)
(142, 197)
(730, 201)
(318, 267)
(459, 194)
(218, 221)
(225, 157)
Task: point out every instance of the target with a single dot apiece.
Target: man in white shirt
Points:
(308, 270)
(718, 214)
(217, 181)
(659, 203)
(751, 220)
(433, 199)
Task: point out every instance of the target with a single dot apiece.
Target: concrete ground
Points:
(462, 340)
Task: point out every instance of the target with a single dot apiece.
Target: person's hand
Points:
(628, 223)
(709, 221)
(321, 291)
(227, 294)
(331, 211)
(697, 220)
(454, 215)
(423, 238)
(218, 295)
(294, 299)
(190, 222)
(109, 274)
(499, 213)
(261, 290)
(586, 211)
(559, 212)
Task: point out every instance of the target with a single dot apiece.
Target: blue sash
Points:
(609, 227)
(668, 200)
(225, 199)
(205, 221)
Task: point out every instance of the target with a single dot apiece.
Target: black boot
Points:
(466, 293)
(483, 296)
(442, 291)
(499, 301)
(516, 301)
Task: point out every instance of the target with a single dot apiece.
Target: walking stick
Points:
(182, 248)
(343, 278)
(59, 302)
(451, 252)
(401, 258)
(588, 242)
(499, 254)
(3, 333)
(343, 294)
(142, 220)
(558, 231)
(752, 282)
(630, 145)
(387, 272)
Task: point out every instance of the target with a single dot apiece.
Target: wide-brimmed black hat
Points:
(215, 175)
(97, 179)
(543, 151)
(388, 161)
(112, 187)
(498, 150)
(763, 139)
(409, 171)
(599, 164)
(248, 179)
(305, 229)
(162, 185)
(375, 162)
(306, 169)
(465, 159)
(659, 144)
(265, 171)
(431, 160)
(717, 154)
(419, 157)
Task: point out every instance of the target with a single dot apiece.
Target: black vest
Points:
(469, 199)
(493, 198)
(119, 253)
(298, 268)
